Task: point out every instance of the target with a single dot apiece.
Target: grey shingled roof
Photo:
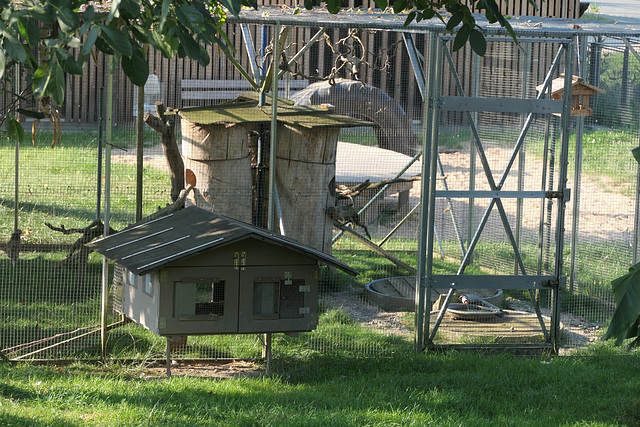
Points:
(151, 245)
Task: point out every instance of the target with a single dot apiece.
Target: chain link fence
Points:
(50, 291)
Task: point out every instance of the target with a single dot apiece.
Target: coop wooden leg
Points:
(266, 351)
(168, 357)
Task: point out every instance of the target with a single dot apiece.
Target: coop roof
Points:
(245, 109)
(187, 232)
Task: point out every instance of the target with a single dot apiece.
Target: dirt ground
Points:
(215, 370)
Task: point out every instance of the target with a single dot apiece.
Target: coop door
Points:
(203, 301)
(274, 303)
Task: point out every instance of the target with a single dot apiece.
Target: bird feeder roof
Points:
(245, 109)
(148, 246)
(578, 87)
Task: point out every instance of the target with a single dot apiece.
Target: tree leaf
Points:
(15, 130)
(117, 39)
(192, 49)
(626, 290)
(455, 20)
(334, 6)
(382, 4)
(410, 17)
(3, 63)
(104, 47)
(92, 36)
(234, 6)
(636, 154)
(15, 49)
(478, 42)
(40, 80)
(68, 63)
(192, 14)
(29, 30)
(399, 6)
(129, 9)
(167, 45)
(136, 67)
(88, 14)
(31, 113)
(57, 84)
(163, 15)
(67, 19)
(461, 37)
(493, 14)
(114, 12)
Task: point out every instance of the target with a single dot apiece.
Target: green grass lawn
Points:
(597, 388)
(59, 186)
(342, 374)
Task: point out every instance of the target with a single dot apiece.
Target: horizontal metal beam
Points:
(479, 194)
(501, 105)
(468, 281)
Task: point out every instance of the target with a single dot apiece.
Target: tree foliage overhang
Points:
(49, 38)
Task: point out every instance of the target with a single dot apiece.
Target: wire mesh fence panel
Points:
(352, 190)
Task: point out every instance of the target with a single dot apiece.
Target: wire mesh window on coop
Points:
(490, 217)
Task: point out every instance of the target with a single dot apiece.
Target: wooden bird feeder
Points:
(580, 92)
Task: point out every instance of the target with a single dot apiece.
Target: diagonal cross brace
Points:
(497, 202)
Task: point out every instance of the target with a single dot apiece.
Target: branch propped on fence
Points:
(165, 125)
(344, 191)
(374, 247)
(78, 249)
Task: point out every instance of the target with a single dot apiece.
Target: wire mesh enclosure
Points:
(482, 200)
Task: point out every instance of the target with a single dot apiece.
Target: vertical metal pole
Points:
(274, 128)
(272, 160)
(99, 180)
(435, 82)
(562, 185)
(475, 90)
(107, 207)
(526, 73)
(16, 184)
(577, 174)
(425, 243)
(139, 152)
(263, 47)
(636, 219)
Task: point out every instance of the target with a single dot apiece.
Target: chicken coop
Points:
(195, 272)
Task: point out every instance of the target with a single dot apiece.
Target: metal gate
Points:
(550, 194)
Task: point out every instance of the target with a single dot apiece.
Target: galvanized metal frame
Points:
(552, 30)
(458, 282)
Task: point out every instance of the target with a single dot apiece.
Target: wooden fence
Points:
(395, 78)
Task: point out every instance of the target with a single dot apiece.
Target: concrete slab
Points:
(623, 11)
(356, 163)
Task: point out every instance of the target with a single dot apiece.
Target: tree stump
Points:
(305, 175)
(217, 158)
